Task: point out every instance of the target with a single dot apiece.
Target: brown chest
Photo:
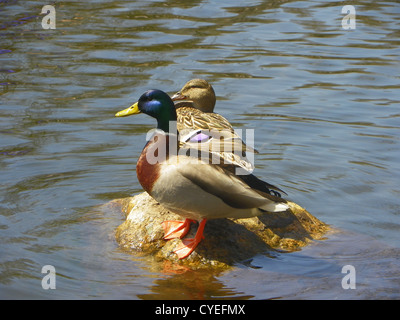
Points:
(147, 173)
(149, 164)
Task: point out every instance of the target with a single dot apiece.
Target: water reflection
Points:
(193, 285)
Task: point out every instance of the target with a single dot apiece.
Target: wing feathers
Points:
(220, 182)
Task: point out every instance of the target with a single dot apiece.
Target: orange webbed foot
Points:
(188, 245)
(176, 229)
(186, 248)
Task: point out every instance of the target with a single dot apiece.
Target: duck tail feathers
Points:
(275, 207)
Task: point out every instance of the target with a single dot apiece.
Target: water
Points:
(324, 103)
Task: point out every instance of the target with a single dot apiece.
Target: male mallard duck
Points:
(193, 188)
(194, 105)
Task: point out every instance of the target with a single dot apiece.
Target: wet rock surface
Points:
(227, 241)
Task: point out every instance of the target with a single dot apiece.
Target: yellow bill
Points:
(133, 109)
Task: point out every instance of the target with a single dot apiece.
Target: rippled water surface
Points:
(324, 103)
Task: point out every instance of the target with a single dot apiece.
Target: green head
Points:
(155, 103)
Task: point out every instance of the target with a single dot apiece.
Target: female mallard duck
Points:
(196, 190)
(199, 93)
(194, 105)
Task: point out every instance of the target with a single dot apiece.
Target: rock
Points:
(227, 241)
